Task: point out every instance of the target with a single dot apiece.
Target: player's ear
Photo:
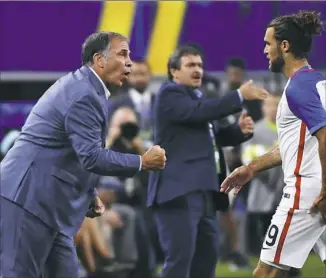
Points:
(285, 46)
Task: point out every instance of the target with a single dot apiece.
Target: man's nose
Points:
(199, 70)
(128, 62)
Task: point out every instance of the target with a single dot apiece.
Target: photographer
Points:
(123, 133)
(124, 136)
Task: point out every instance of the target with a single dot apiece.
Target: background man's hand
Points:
(246, 123)
(250, 91)
(154, 159)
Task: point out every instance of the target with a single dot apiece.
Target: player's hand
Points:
(250, 91)
(154, 159)
(96, 208)
(246, 123)
(237, 179)
(319, 205)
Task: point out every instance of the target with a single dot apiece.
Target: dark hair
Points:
(237, 63)
(298, 29)
(98, 43)
(141, 61)
(175, 59)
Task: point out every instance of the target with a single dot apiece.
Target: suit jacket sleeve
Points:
(84, 129)
(178, 107)
(231, 135)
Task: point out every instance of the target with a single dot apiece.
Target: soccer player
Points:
(299, 220)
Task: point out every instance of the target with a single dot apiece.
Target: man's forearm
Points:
(266, 161)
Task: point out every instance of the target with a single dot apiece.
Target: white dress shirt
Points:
(140, 100)
(106, 90)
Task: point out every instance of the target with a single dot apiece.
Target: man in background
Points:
(236, 74)
(124, 136)
(184, 196)
(138, 97)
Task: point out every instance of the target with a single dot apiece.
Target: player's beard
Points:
(278, 64)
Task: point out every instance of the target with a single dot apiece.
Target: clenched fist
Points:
(246, 123)
(250, 91)
(154, 159)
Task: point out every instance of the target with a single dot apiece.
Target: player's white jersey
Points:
(294, 231)
(300, 114)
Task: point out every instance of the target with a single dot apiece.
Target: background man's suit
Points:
(125, 100)
(184, 195)
(48, 177)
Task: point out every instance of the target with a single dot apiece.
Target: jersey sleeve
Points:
(304, 101)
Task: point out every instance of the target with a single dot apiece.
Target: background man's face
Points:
(190, 72)
(140, 76)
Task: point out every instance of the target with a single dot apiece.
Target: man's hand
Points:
(96, 208)
(237, 179)
(250, 91)
(246, 123)
(319, 205)
(154, 159)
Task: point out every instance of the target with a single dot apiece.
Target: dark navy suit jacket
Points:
(55, 163)
(181, 128)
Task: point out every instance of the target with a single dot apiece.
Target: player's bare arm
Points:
(320, 202)
(321, 137)
(266, 161)
(244, 174)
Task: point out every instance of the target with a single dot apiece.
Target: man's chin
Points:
(118, 83)
(276, 66)
(275, 69)
(196, 85)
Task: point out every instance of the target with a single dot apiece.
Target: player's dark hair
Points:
(236, 63)
(175, 59)
(298, 29)
(98, 43)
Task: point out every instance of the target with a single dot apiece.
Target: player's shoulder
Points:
(306, 77)
(304, 80)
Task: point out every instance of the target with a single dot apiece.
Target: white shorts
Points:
(291, 236)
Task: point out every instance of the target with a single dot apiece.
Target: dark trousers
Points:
(188, 233)
(28, 247)
(257, 226)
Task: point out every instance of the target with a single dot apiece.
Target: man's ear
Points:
(285, 46)
(98, 60)
(173, 72)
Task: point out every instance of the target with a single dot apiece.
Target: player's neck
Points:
(291, 67)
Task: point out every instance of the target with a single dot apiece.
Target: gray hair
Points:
(99, 42)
